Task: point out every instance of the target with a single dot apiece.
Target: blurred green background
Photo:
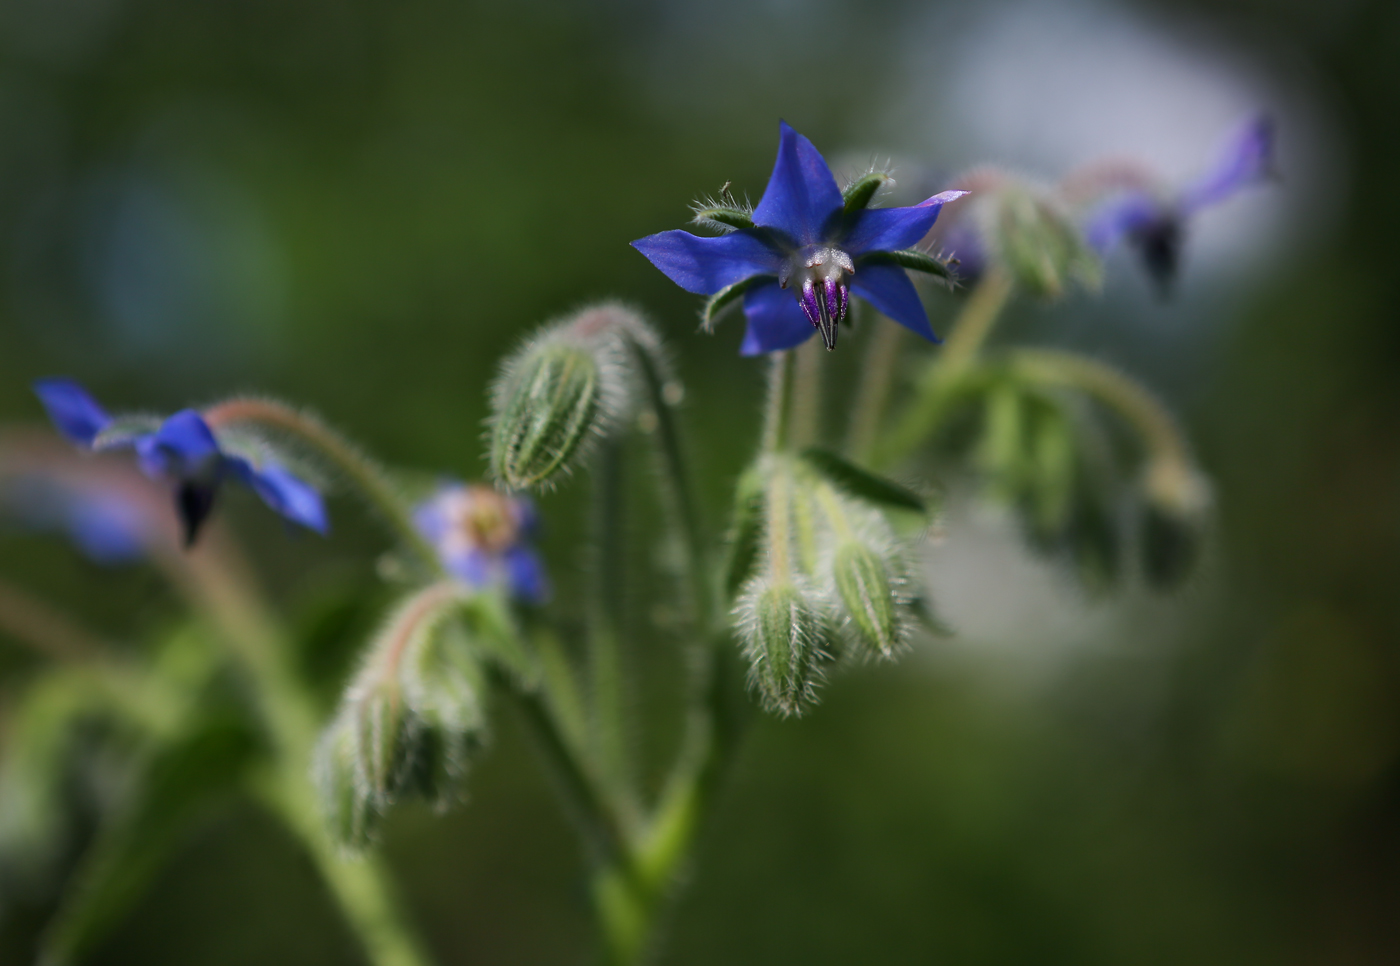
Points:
(360, 206)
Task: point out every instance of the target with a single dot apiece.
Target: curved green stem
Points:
(1112, 388)
(873, 391)
(362, 472)
(979, 316)
(214, 579)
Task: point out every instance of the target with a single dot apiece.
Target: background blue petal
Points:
(706, 265)
(887, 287)
(1121, 216)
(288, 495)
(526, 575)
(76, 414)
(893, 229)
(802, 194)
(776, 321)
(1247, 159)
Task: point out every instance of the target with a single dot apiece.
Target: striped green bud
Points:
(444, 689)
(351, 811)
(863, 585)
(561, 391)
(784, 629)
(1036, 239)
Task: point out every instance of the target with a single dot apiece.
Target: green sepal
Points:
(864, 588)
(722, 217)
(913, 260)
(723, 300)
(858, 193)
(122, 429)
(863, 484)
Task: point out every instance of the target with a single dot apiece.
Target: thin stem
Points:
(1124, 396)
(775, 402)
(979, 316)
(873, 391)
(605, 842)
(606, 672)
(360, 884)
(806, 410)
(218, 584)
(367, 477)
(38, 626)
(664, 395)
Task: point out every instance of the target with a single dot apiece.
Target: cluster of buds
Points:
(566, 388)
(821, 574)
(411, 718)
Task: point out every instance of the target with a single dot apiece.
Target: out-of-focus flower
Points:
(805, 234)
(480, 537)
(1019, 226)
(183, 451)
(1153, 218)
(106, 526)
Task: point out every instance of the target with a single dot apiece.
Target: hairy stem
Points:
(362, 472)
(775, 402)
(1113, 389)
(607, 675)
(806, 409)
(215, 579)
(979, 316)
(873, 390)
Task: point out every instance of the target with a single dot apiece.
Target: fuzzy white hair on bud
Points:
(784, 627)
(865, 572)
(567, 387)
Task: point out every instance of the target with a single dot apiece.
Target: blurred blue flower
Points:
(183, 451)
(1154, 222)
(803, 236)
(480, 535)
(107, 527)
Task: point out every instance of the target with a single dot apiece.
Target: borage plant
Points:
(817, 570)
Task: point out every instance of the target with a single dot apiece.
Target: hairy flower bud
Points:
(1032, 234)
(351, 810)
(1177, 499)
(784, 629)
(562, 390)
(444, 689)
(864, 587)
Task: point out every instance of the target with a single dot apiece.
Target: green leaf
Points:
(860, 483)
(723, 300)
(181, 782)
(722, 217)
(859, 192)
(913, 260)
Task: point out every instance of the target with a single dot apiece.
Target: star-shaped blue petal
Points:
(804, 256)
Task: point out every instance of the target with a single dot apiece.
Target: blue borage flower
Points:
(107, 527)
(184, 451)
(804, 235)
(1153, 220)
(479, 534)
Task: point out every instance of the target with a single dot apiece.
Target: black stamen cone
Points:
(194, 502)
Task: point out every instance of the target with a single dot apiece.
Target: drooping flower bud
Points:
(563, 389)
(444, 689)
(351, 810)
(407, 720)
(1038, 242)
(864, 587)
(784, 628)
(1177, 498)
